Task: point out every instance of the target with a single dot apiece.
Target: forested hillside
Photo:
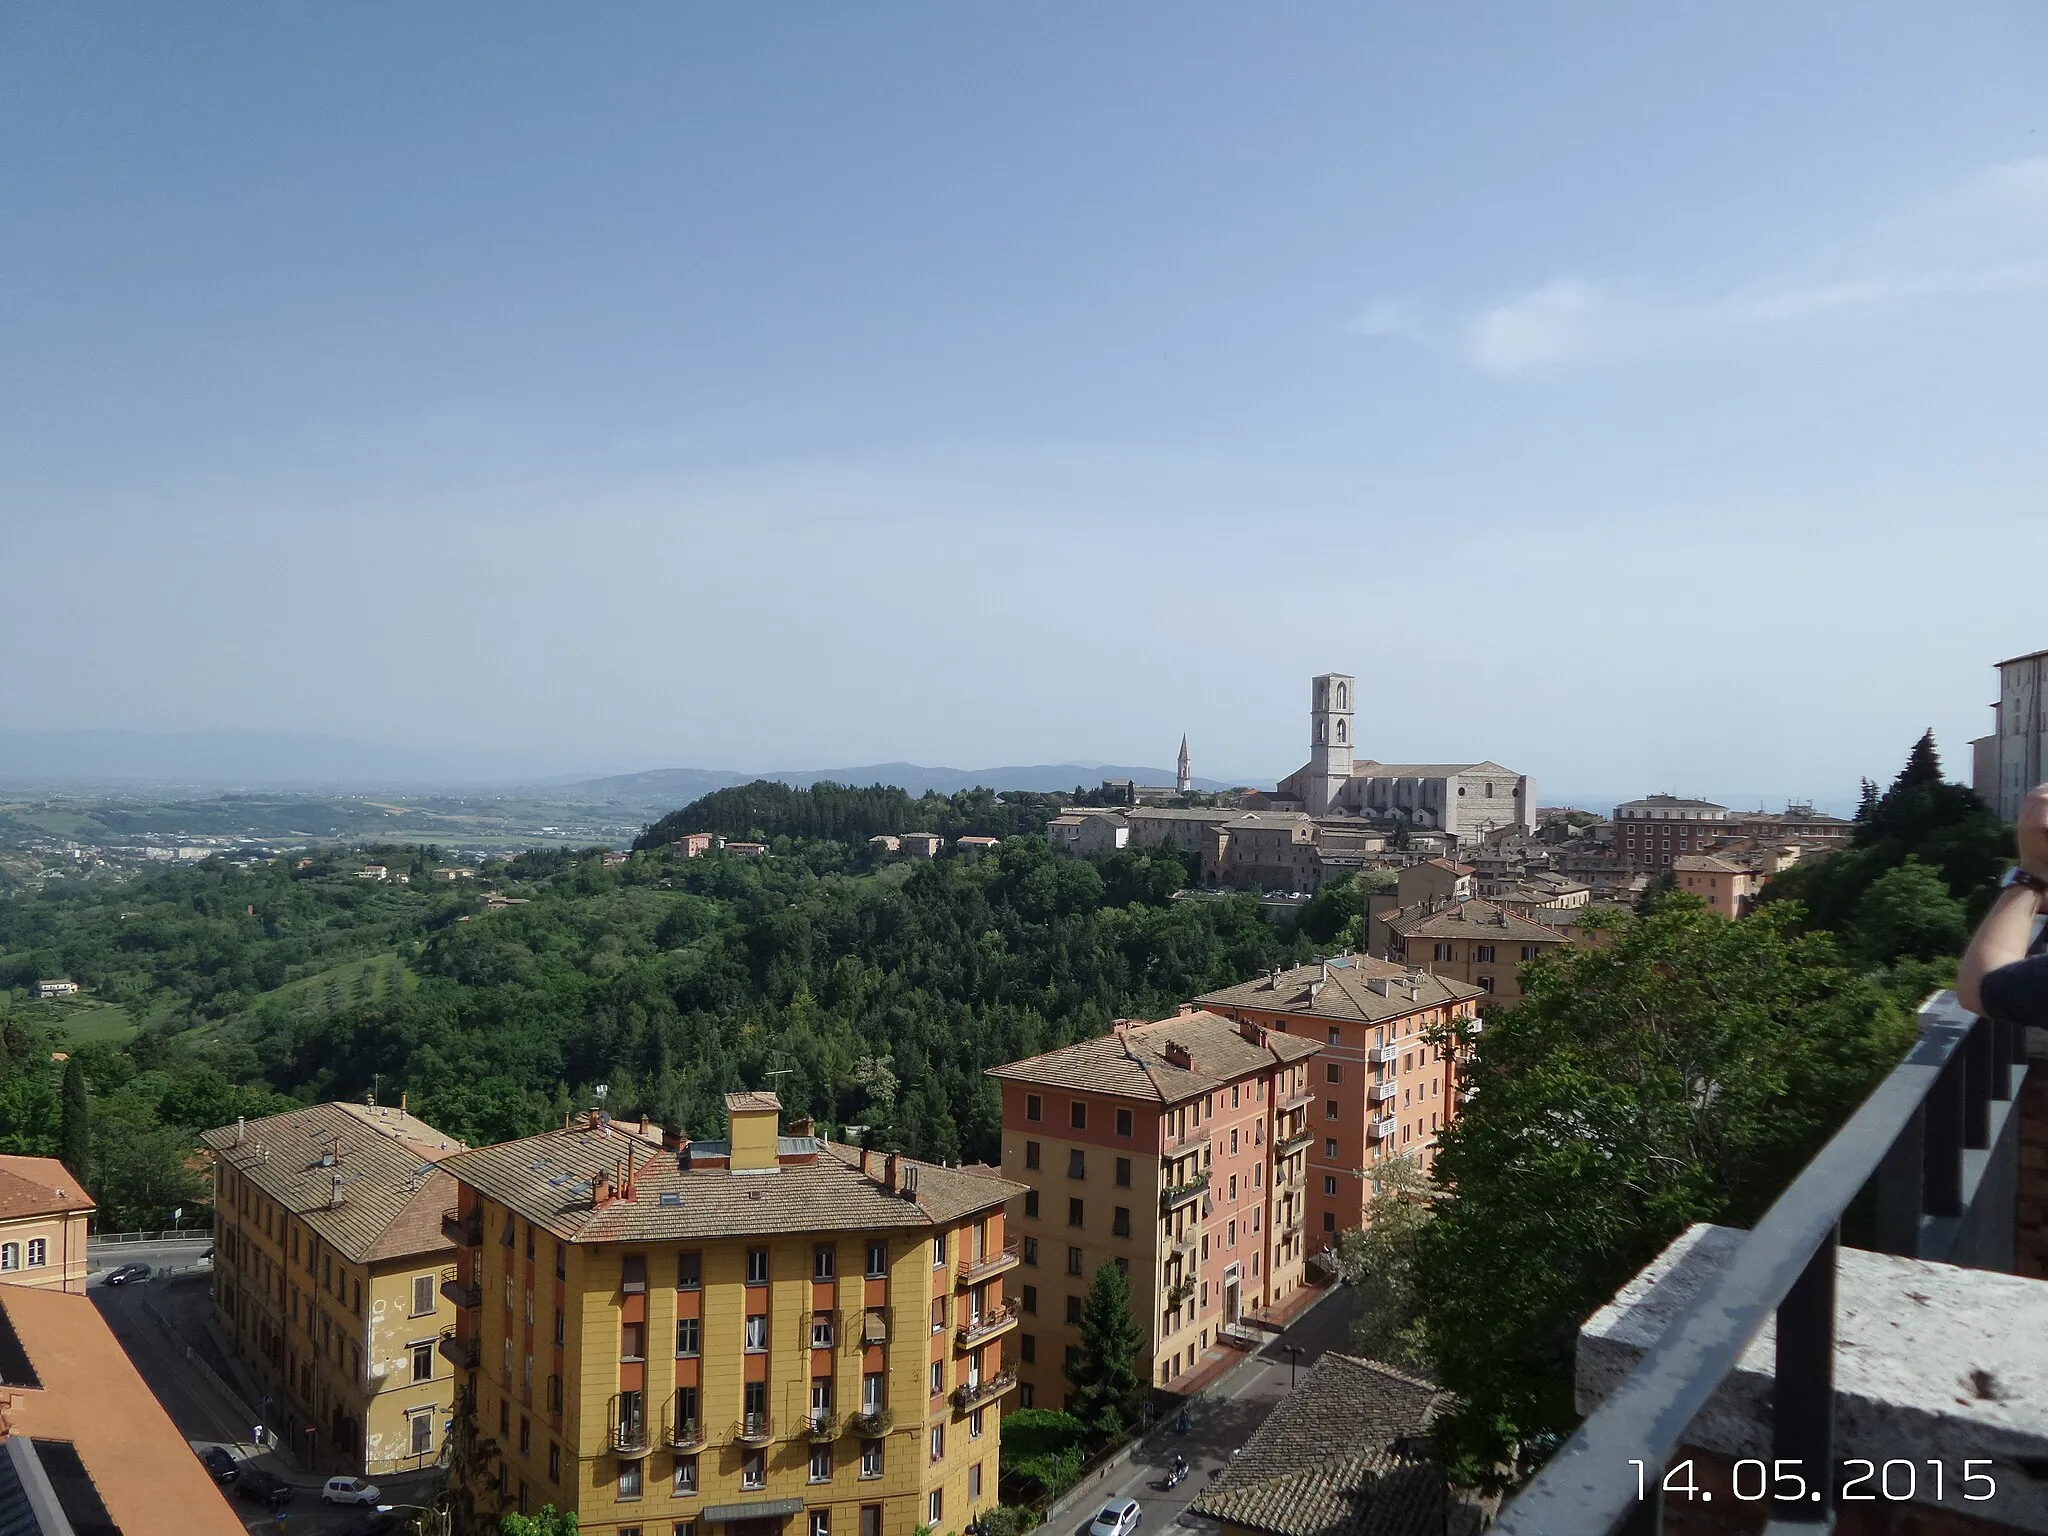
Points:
(767, 810)
(862, 996)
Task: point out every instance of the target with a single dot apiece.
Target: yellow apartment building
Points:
(331, 1273)
(1479, 943)
(44, 1214)
(676, 1336)
(1174, 1149)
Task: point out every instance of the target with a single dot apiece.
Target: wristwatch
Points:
(2026, 877)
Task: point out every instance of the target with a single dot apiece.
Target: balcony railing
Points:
(1935, 1146)
(974, 1393)
(1297, 1100)
(1181, 1194)
(464, 1293)
(1383, 1055)
(628, 1434)
(990, 1323)
(990, 1264)
(754, 1428)
(871, 1423)
(459, 1352)
(463, 1231)
(821, 1424)
(1382, 1127)
(1186, 1243)
(1381, 1092)
(1290, 1140)
(684, 1433)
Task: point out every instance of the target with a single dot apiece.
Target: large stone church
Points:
(1462, 800)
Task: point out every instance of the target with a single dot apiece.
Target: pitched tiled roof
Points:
(39, 1186)
(745, 1102)
(1338, 1457)
(1468, 920)
(1707, 864)
(1132, 1062)
(1348, 993)
(366, 1179)
(1368, 769)
(547, 1179)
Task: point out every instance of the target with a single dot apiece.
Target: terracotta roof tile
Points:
(1132, 1063)
(39, 1186)
(1348, 993)
(1469, 920)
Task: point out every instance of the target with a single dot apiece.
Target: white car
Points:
(1119, 1517)
(350, 1490)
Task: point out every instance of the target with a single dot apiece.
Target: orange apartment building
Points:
(44, 1215)
(1176, 1150)
(766, 1334)
(1479, 943)
(1383, 1088)
(1726, 887)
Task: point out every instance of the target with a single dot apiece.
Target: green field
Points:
(338, 989)
(82, 1020)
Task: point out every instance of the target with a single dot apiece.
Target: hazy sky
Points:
(1644, 396)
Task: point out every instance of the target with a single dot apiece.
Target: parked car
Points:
(350, 1490)
(128, 1272)
(220, 1461)
(1119, 1517)
(261, 1487)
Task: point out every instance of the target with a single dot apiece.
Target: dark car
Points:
(128, 1272)
(261, 1487)
(221, 1463)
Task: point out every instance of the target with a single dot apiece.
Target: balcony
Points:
(991, 1264)
(754, 1428)
(980, 1329)
(973, 1394)
(627, 1434)
(1677, 1378)
(871, 1423)
(1381, 1092)
(684, 1434)
(1383, 1055)
(1180, 1194)
(1382, 1128)
(464, 1293)
(459, 1352)
(821, 1424)
(1300, 1100)
(463, 1231)
(1294, 1140)
(1187, 1244)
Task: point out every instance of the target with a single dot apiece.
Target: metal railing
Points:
(821, 1424)
(1287, 1141)
(871, 1423)
(972, 1394)
(1181, 1194)
(1936, 1147)
(1299, 1099)
(464, 1293)
(985, 1325)
(628, 1425)
(754, 1428)
(459, 1352)
(463, 1231)
(993, 1262)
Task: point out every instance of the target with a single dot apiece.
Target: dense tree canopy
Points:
(768, 810)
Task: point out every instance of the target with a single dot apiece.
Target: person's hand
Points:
(2033, 828)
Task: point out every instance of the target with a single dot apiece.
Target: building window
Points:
(10, 1256)
(1123, 1169)
(1034, 1107)
(1075, 1212)
(629, 1480)
(974, 1481)
(689, 1336)
(1031, 1251)
(754, 1470)
(1485, 955)
(757, 1266)
(1442, 952)
(689, 1271)
(1486, 983)
(1329, 1221)
(821, 1519)
(554, 1463)
(420, 1432)
(1126, 1122)
(974, 1423)
(1330, 1148)
(1030, 1154)
(757, 1333)
(1329, 1109)
(686, 1475)
(1077, 1115)
(1120, 1221)
(1028, 1343)
(1030, 1302)
(823, 1262)
(873, 1392)
(38, 1252)
(938, 1375)
(821, 1465)
(935, 1507)
(632, 1341)
(1073, 1309)
(423, 1361)
(1073, 1261)
(821, 1330)
(939, 1251)
(938, 1439)
(1329, 1184)
(871, 1458)
(1031, 1203)
(1077, 1164)
(878, 1260)
(938, 1314)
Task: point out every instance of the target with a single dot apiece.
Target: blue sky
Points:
(1645, 397)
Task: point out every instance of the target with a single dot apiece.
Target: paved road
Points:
(1225, 1419)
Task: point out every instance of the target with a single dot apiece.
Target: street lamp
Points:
(436, 1523)
(1293, 1360)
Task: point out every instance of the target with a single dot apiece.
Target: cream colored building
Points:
(44, 1215)
(332, 1277)
(1726, 887)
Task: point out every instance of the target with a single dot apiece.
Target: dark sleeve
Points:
(2018, 993)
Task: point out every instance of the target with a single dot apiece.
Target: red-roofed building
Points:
(44, 1213)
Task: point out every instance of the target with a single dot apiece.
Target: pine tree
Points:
(1923, 763)
(75, 1126)
(1107, 1387)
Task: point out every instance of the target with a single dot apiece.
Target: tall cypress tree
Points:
(75, 1125)
(1108, 1390)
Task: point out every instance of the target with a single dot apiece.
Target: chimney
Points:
(402, 1097)
(910, 1181)
(241, 1128)
(671, 1139)
(803, 1126)
(1185, 1010)
(590, 1119)
(644, 1126)
(889, 1173)
(1315, 988)
(601, 1190)
(630, 1190)
(863, 1156)
(568, 1115)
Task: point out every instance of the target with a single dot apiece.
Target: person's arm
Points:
(2002, 938)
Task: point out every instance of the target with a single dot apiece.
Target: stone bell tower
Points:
(1330, 739)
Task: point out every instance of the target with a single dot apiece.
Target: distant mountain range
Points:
(107, 761)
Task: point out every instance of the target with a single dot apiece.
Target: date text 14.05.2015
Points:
(1896, 1481)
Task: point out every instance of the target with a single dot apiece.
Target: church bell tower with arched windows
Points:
(1330, 739)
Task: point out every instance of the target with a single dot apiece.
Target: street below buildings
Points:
(1227, 1415)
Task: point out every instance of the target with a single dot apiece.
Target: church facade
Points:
(1462, 800)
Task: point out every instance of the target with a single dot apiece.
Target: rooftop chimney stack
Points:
(241, 1128)
(601, 1190)
(889, 1173)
